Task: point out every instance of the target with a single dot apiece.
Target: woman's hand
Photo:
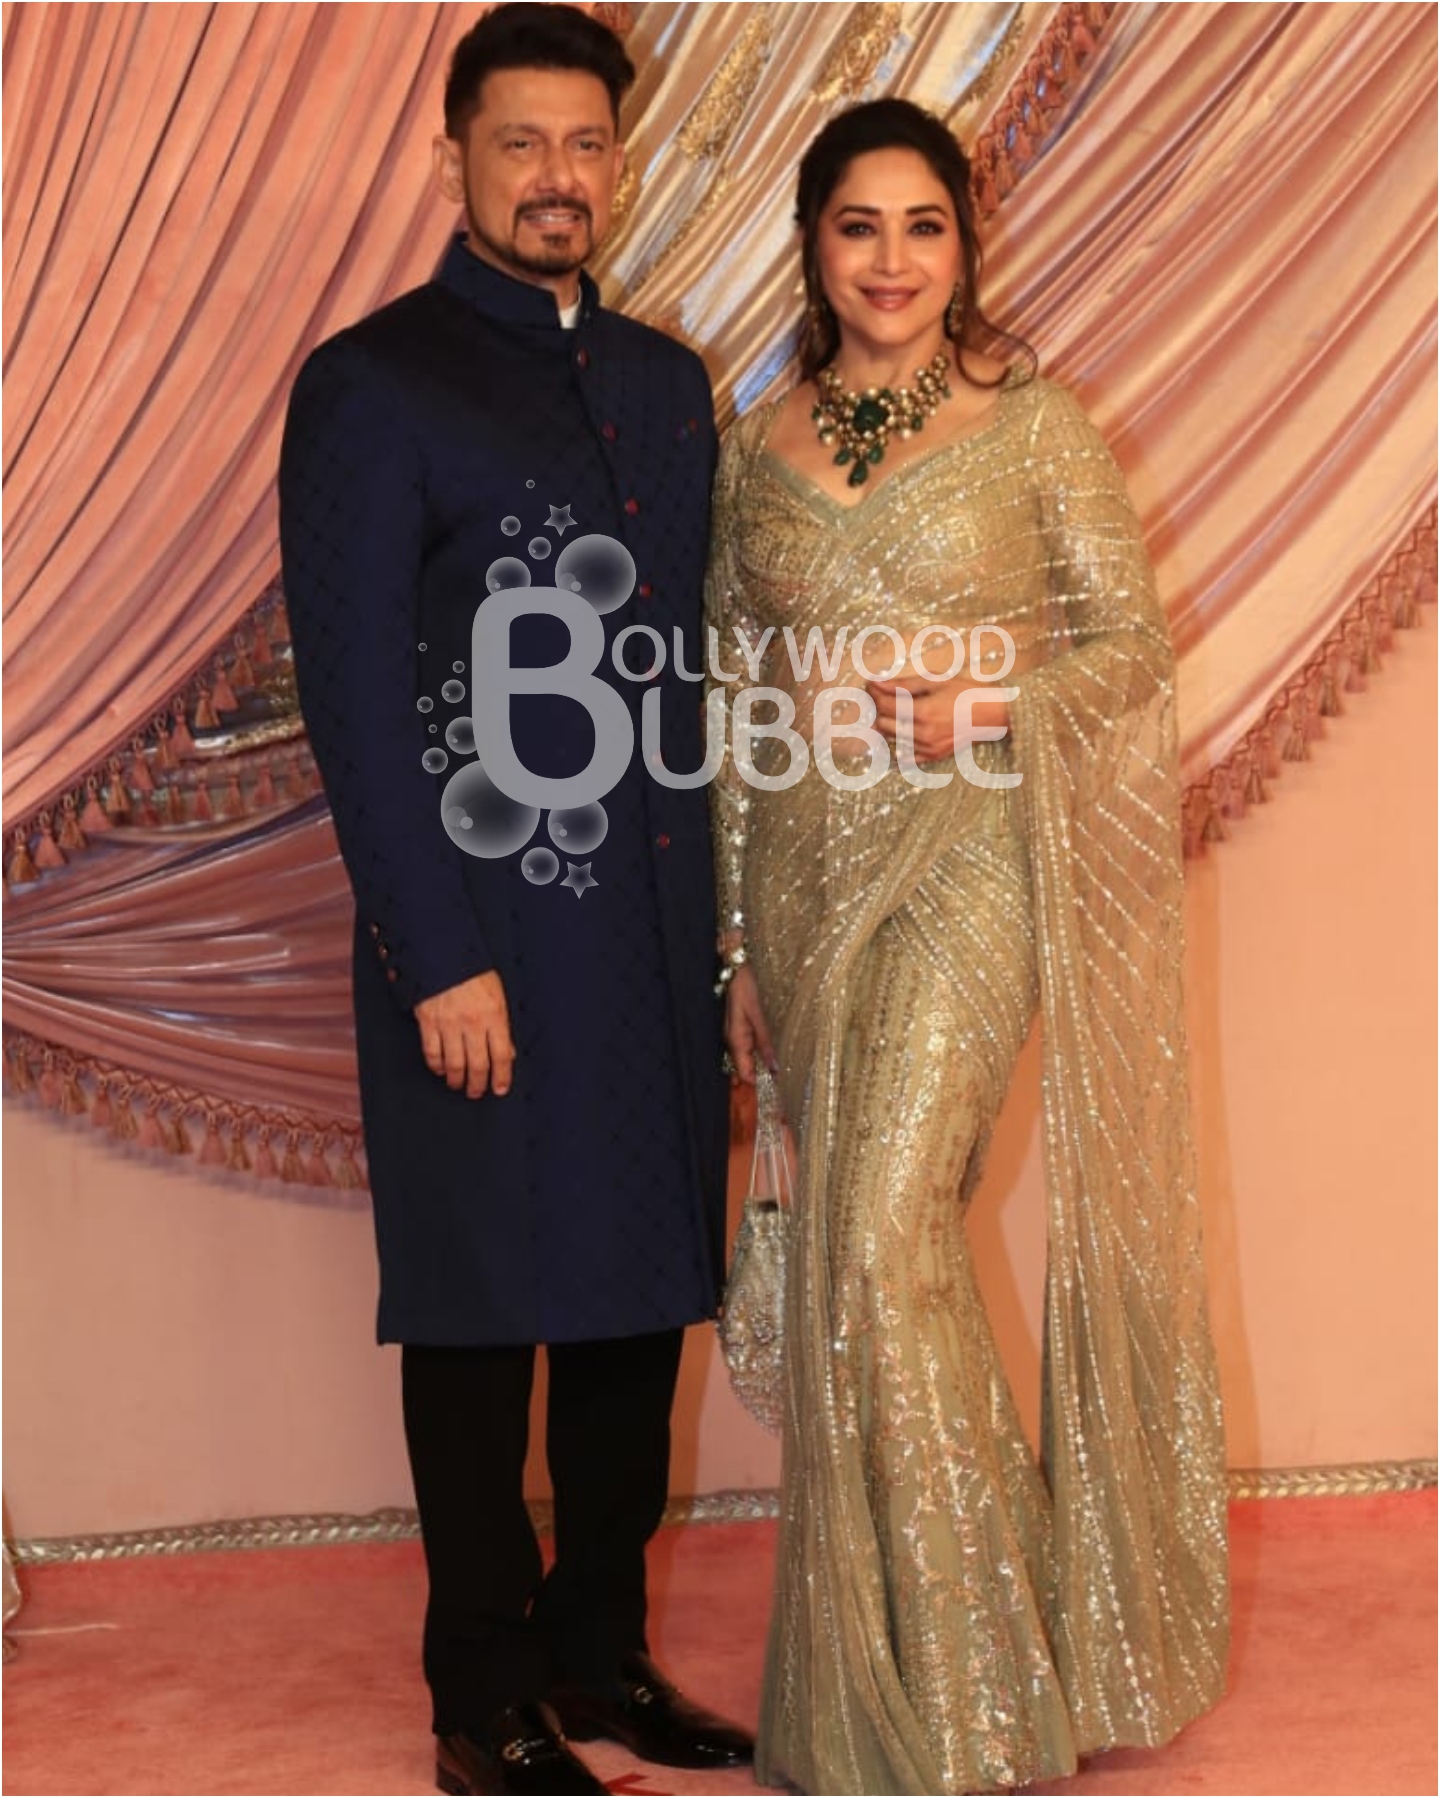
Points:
(746, 1032)
(934, 733)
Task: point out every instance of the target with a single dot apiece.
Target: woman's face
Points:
(888, 249)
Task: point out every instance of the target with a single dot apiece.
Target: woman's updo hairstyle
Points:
(888, 125)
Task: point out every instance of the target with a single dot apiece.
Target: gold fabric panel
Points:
(717, 112)
(868, 34)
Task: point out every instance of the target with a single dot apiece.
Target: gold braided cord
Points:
(398, 1524)
(1356, 1479)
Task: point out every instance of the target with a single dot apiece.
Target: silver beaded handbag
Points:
(752, 1334)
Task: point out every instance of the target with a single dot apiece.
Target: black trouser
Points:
(496, 1630)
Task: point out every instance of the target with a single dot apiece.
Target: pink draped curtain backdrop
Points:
(1217, 222)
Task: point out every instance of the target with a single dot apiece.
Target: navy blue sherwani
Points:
(589, 1202)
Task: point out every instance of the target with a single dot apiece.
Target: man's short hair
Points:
(522, 35)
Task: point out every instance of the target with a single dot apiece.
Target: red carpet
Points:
(296, 1671)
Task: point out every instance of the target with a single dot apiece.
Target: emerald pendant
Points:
(864, 422)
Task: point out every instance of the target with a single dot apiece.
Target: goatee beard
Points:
(564, 259)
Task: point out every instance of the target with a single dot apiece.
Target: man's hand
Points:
(746, 1032)
(465, 1035)
(934, 713)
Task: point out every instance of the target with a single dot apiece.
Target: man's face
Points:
(537, 173)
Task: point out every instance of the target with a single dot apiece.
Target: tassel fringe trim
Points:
(1298, 714)
(263, 1142)
(229, 745)
(1016, 133)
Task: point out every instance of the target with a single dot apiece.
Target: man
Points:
(539, 1060)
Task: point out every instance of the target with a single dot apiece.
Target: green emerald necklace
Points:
(863, 423)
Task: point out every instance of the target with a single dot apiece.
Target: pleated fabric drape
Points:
(1215, 221)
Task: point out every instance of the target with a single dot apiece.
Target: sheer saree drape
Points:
(943, 1621)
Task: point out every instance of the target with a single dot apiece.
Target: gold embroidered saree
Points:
(949, 1617)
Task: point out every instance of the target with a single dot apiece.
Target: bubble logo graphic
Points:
(460, 735)
(482, 820)
(604, 569)
(506, 571)
(579, 829)
(491, 806)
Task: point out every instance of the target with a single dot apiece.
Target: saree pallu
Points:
(949, 1616)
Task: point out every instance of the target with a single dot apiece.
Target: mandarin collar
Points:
(500, 296)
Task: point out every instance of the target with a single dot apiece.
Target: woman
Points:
(948, 1618)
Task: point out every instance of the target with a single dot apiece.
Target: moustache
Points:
(554, 203)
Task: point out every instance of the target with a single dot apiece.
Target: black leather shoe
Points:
(519, 1751)
(652, 1719)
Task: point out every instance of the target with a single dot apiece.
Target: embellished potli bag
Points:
(752, 1334)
